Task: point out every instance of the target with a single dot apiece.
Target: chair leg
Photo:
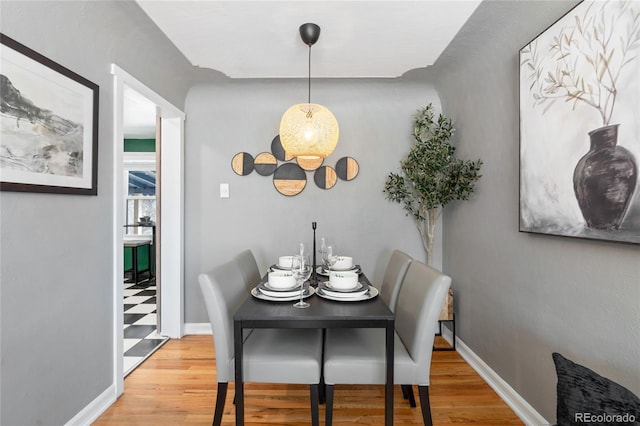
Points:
(328, 399)
(426, 406)
(315, 397)
(407, 392)
(321, 391)
(222, 395)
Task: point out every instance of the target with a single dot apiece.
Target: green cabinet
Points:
(140, 253)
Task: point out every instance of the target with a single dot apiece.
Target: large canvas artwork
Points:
(580, 125)
(48, 124)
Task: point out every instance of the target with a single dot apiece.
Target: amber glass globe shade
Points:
(309, 131)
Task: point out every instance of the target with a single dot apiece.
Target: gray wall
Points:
(56, 251)
(523, 296)
(520, 296)
(227, 118)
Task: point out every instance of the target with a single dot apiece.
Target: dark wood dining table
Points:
(322, 314)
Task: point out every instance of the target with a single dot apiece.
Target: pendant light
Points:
(309, 131)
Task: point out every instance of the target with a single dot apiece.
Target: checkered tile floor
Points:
(140, 336)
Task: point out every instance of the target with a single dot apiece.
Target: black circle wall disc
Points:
(289, 179)
(265, 163)
(325, 177)
(242, 163)
(347, 168)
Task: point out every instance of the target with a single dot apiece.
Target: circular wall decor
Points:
(325, 177)
(309, 164)
(265, 163)
(242, 163)
(278, 150)
(289, 179)
(347, 168)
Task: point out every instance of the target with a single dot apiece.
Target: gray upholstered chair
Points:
(391, 283)
(269, 355)
(247, 262)
(392, 280)
(350, 360)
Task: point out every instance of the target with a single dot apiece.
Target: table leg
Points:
(237, 345)
(388, 389)
(322, 384)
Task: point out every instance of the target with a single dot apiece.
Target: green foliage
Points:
(431, 176)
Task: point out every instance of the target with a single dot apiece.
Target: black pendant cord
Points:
(309, 97)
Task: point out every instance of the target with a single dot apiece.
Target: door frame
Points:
(172, 221)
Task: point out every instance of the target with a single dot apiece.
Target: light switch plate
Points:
(224, 190)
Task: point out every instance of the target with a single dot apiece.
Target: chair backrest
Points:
(223, 289)
(419, 303)
(247, 262)
(393, 276)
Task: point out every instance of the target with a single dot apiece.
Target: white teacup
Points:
(342, 263)
(285, 262)
(343, 280)
(281, 280)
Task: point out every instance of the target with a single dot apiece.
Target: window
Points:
(140, 200)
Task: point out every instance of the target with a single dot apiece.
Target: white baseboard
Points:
(197, 328)
(518, 404)
(99, 405)
(95, 408)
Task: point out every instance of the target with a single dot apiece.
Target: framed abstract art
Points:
(580, 126)
(48, 124)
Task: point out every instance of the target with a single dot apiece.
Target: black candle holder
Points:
(315, 274)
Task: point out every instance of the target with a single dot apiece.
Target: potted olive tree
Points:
(430, 178)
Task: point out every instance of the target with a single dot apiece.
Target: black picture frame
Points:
(49, 125)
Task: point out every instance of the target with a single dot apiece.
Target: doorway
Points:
(142, 289)
(169, 264)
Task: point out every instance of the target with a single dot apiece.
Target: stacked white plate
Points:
(359, 292)
(324, 271)
(266, 292)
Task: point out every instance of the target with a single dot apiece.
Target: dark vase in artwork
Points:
(604, 180)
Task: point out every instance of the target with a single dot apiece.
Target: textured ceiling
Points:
(260, 39)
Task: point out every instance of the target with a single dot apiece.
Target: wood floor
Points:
(176, 386)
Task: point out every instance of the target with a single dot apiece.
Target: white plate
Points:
(373, 292)
(329, 287)
(268, 286)
(278, 293)
(276, 267)
(259, 295)
(321, 271)
(345, 295)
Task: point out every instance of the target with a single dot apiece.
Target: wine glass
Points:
(323, 247)
(329, 257)
(301, 269)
